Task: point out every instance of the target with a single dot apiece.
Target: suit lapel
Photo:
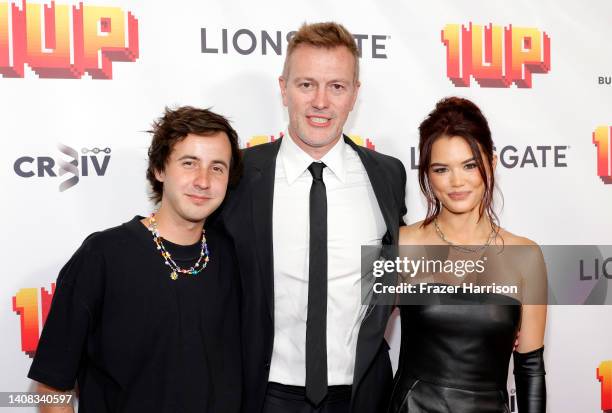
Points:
(262, 187)
(383, 193)
(374, 323)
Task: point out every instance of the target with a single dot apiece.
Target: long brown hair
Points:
(454, 116)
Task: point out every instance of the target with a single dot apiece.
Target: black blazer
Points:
(247, 217)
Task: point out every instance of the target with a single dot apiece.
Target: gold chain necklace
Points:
(461, 247)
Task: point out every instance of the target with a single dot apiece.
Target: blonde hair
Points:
(326, 35)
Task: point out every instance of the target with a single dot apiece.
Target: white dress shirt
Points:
(353, 219)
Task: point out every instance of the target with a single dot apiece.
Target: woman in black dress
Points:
(454, 358)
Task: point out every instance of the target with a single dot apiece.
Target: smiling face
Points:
(454, 175)
(319, 91)
(195, 177)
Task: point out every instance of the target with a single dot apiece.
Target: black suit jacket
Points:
(247, 216)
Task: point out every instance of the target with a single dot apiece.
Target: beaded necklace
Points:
(176, 270)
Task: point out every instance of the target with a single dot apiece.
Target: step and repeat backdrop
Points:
(81, 82)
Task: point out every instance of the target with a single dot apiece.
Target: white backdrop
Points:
(168, 62)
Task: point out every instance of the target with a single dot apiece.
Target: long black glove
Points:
(530, 381)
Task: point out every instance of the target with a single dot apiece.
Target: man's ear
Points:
(160, 175)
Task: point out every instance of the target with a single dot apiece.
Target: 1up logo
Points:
(604, 375)
(602, 139)
(61, 41)
(32, 306)
(91, 161)
(495, 56)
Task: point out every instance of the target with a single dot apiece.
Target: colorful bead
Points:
(195, 269)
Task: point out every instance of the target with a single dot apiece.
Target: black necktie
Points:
(316, 323)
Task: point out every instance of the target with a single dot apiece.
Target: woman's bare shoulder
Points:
(413, 234)
(513, 239)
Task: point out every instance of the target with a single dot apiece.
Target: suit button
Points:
(267, 366)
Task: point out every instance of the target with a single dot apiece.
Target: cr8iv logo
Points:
(92, 161)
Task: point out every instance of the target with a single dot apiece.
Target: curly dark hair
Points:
(173, 127)
(454, 116)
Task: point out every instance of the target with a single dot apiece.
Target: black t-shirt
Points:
(136, 341)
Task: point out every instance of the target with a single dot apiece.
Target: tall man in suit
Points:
(305, 205)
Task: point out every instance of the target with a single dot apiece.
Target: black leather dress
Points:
(454, 358)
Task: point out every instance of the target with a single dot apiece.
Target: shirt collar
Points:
(296, 161)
